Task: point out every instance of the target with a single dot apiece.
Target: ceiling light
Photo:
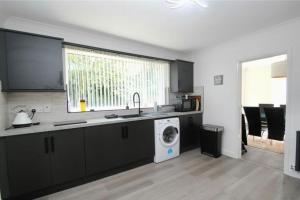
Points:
(180, 3)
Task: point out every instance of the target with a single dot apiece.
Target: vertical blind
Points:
(107, 81)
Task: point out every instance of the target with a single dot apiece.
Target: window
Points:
(107, 81)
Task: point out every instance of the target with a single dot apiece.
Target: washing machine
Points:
(167, 139)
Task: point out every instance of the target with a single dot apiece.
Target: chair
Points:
(276, 123)
(284, 107)
(244, 135)
(263, 115)
(254, 120)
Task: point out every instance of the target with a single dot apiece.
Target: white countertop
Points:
(44, 127)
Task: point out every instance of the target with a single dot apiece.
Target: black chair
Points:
(244, 135)
(284, 107)
(276, 123)
(254, 120)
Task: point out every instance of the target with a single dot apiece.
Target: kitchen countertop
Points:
(44, 127)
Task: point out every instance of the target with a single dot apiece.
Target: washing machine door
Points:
(169, 135)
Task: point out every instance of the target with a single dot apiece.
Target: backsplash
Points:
(52, 106)
(198, 91)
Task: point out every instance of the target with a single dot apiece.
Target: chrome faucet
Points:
(139, 101)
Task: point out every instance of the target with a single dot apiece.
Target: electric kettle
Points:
(22, 120)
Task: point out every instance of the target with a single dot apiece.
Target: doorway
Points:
(263, 100)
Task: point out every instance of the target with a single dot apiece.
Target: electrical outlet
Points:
(38, 108)
(47, 108)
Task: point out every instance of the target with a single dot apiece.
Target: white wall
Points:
(258, 86)
(58, 101)
(91, 38)
(222, 102)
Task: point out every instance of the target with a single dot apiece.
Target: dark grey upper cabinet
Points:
(181, 76)
(31, 62)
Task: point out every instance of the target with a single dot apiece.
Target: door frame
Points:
(288, 53)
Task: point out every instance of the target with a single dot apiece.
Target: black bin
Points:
(211, 140)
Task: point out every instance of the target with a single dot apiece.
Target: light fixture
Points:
(279, 69)
(180, 3)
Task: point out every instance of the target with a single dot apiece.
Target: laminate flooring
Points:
(264, 157)
(191, 176)
(266, 144)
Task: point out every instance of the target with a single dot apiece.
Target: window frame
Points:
(167, 75)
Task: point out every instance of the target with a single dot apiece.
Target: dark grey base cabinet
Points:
(190, 129)
(112, 146)
(40, 160)
(28, 163)
(36, 164)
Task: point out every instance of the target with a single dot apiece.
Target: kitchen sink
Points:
(131, 116)
(156, 114)
(145, 115)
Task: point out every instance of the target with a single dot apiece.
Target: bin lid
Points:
(214, 128)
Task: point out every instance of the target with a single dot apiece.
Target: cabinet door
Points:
(103, 148)
(34, 62)
(67, 155)
(184, 133)
(3, 67)
(190, 131)
(138, 141)
(185, 76)
(28, 163)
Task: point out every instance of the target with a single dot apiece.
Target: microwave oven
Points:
(185, 105)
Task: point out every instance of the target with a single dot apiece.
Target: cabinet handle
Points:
(61, 78)
(52, 144)
(124, 132)
(126, 135)
(46, 144)
(190, 121)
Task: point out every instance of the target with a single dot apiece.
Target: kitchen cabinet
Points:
(40, 160)
(35, 164)
(67, 155)
(138, 142)
(112, 146)
(103, 148)
(30, 62)
(28, 163)
(190, 128)
(181, 76)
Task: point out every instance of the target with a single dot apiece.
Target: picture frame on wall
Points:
(218, 80)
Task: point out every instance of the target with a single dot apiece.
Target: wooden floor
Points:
(264, 143)
(264, 157)
(192, 176)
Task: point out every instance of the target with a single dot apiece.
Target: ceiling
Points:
(152, 21)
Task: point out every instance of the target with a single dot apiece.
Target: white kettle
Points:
(22, 120)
